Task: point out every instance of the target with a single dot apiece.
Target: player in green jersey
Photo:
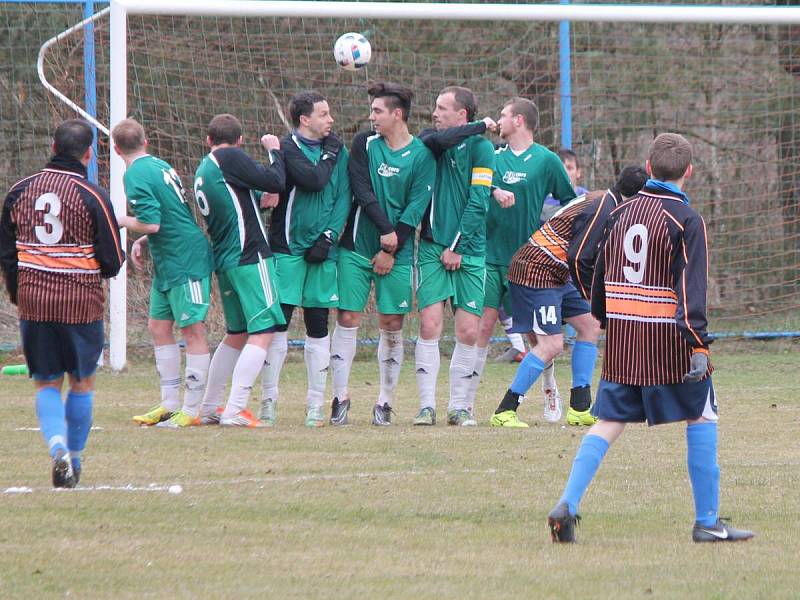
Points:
(304, 229)
(451, 257)
(182, 264)
(392, 174)
(225, 188)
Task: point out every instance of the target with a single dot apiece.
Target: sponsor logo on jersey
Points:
(406, 153)
(514, 177)
(386, 171)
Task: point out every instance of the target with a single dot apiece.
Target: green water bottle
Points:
(14, 370)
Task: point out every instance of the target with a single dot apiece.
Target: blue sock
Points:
(584, 356)
(528, 371)
(590, 454)
(701, 440)
(79, 422)
(50, 411)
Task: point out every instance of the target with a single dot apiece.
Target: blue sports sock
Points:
(590, 454)
(701, 440)
(50, 412)
(79, 422)
(584, 356)
(528, 371)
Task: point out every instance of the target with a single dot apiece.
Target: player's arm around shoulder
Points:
(241, 170)
(440, 140)
(302, 172)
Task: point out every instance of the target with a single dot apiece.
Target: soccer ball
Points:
(352, 51)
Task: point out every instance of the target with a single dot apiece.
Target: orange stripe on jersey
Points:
(58, 262)
(540, 239)
(640, 308)
(56, 249)
(665, 294)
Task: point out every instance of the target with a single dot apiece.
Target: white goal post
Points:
(120, 9)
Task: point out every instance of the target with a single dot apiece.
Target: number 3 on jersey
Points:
(635, 236)
(50, 205)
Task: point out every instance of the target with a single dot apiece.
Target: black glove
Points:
(331, 146)
(321, 248)
(698, 369)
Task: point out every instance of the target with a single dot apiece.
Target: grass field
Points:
(401, 512)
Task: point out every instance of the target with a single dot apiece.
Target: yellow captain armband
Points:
(482, 176)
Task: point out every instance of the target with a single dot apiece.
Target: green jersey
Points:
(531, 175)
(457, 214)
(401, 182)
(179, 249)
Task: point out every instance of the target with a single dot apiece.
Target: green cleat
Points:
(315, 417)
(154, 415)
(269, 412)
(507, 418)
(426, 416)
(461, 417)
(576, 417)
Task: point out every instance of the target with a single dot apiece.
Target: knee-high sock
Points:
(427, 360)
(701, 440)
(462, 365)
(477, 372)
(584, 356)
(317, 355)
(390, 359)
(195, 378)
(168, 365)
(220, 371)
(528, 371)
(343, 350)
(52, 423)
(249, 365)
(271, 373)
(590, 454)
(78, 413)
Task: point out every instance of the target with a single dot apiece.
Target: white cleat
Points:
(552, 405)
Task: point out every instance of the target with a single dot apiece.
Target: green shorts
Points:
(496, 289)
(463, 287)
(185, 304)
(249, 298)
(310, 285)
(392, 291)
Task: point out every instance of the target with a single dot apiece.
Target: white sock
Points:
(317, 355)
(390, 359)
(168, 365)
(515, 338)
(477, 372)
(426, 360)
(549, 377)
(249, 365)
(276, 356)
(343, 350)
(195, 378)
(461, 367)
(219, 372)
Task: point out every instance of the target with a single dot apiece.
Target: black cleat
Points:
(382, 415)
(339, 410)
(719, 532)
(562, 524)
(63, 475)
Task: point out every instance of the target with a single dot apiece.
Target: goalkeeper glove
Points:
(318, 252)
(331, 146)
(698, 369)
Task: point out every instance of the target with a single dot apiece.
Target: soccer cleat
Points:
(580, 417)
(382, 415)
(179, 419)
(63, 475)
(315, 417)
(507, 418)
(213, 418)
(552, 406)
(339, 410)
(461, 417)
(154, 415)
(269, 412)
(562, 524)
(426, 416)
(510, 355)
(244, 419)
(719, 532)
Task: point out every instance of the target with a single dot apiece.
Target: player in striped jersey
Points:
(226, 185)
(649, 292)
(182, 263)
(58, 241)
(543, 296)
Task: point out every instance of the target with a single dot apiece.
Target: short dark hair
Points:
(527, 110)
(394, 95)
(464, 99)
(631, 179)
(224, 129)
(566, 154)
(73, 137)
(302, 105)
(128, 135)
(670, 155)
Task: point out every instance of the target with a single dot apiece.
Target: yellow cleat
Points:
(179, 419)
(153, 416)
(575, 417)
(507, 418)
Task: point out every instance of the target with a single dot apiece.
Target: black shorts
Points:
(52, 349)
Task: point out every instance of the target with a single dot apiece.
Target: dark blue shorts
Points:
(52, 349)
(656, 404)
(542, 310)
